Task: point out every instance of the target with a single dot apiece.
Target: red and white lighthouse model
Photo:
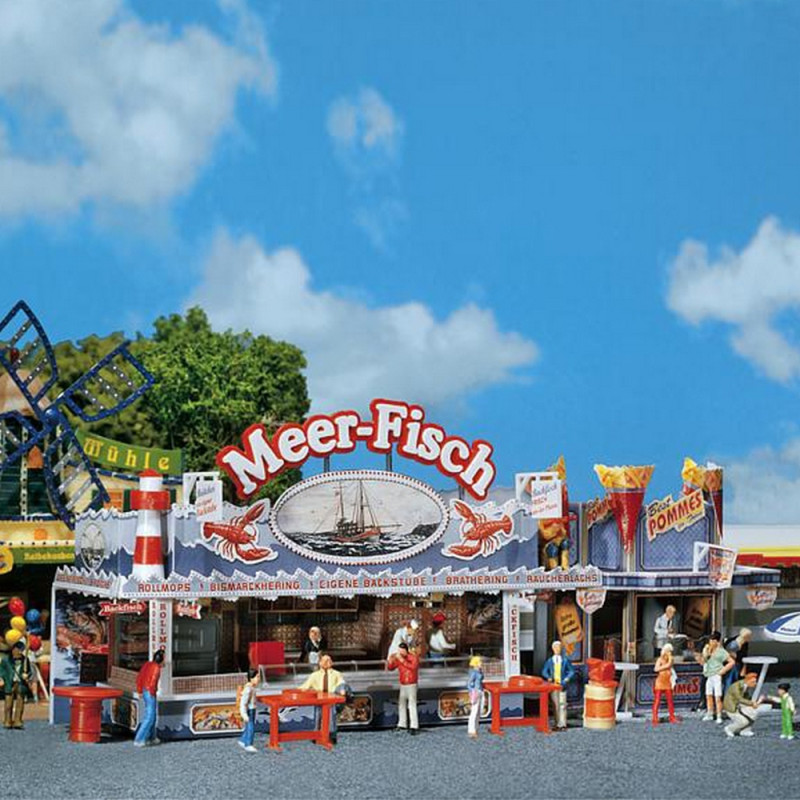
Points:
(150, 501)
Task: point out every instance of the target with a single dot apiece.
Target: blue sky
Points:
(564, 228)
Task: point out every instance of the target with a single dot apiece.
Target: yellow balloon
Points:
(19, 624)
(12, 637)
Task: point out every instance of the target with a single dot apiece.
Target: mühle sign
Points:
(392, 424)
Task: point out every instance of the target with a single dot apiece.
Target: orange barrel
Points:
(599, 705)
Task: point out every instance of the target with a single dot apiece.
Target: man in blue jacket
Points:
(558, 669)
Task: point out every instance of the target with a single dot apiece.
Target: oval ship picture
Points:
(359, 517)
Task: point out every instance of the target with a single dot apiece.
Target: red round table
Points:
(86, 704)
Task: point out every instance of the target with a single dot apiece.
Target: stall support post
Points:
(51, 699)
(161, 637)
(512, 617)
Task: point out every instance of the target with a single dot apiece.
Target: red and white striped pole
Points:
(149, 502)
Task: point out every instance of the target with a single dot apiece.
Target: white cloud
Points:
(356, 352)
(122, 111)
(363, 126)
(748, 290)
(764, 486)
(367, 136)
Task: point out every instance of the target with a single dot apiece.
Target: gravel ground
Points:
(691, 760)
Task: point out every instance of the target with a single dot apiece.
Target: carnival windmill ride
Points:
(111, 385)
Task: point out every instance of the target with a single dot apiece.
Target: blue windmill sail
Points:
(110, 386)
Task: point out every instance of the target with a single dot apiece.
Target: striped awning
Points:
(774, 557)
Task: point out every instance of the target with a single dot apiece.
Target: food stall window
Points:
(607, 627)
(131, 640)
(691, 624)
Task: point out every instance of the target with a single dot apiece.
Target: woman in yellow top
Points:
(663, 684)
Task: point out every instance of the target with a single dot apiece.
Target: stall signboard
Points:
(596, 510)
(207, 488)
(108, 609)
(513, 605)
(187, 608)
(391, 425)
(590, 600)
(668, 514)
(347, 584)
(119, 456)
(569, 628)
(160, 626)
(762, 599)
(543, 493)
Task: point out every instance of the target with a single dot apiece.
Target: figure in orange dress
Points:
(664, 684)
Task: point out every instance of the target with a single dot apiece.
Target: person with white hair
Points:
(558, 669)
(664, 629)
(663, 684)
(406, 633)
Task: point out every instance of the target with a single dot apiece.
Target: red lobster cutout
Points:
(478, 534)
(238, 536)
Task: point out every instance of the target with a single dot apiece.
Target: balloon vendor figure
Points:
(15, 675)
(247, 711)
(558, 669)
(786, 703)
(147, 686)
(475, 689)
(663, 684)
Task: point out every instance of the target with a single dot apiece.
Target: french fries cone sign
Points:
(625, 488)
(709, 479)
(693, 476)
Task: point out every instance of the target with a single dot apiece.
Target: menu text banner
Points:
(350, 585)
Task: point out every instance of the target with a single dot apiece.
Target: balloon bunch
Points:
(26, 627)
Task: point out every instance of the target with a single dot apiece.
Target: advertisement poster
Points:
(569, 629)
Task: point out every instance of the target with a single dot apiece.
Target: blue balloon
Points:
(32, 616)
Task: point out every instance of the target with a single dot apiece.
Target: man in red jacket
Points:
(407, 665)
(147, 687)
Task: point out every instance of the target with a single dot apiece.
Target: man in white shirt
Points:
(664, 629)
(405, 633)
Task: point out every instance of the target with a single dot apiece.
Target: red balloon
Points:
(16, 607)
(35, 642)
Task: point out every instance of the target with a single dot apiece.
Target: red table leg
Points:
(84, 722)
(274, 722)
(544, 718)
(325, 727)
(496, 724)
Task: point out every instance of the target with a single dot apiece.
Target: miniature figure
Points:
(664, 629)
(147, 687)
(247, 711)
(717, 662)
(738, 647)
(741, 706)
(558, 669)
(405, 633)
(326, 679)
(437, 642)
(406, 663)
(15, 676)
(786, 702)
(664, 683)
(475, 689)
(314, 645)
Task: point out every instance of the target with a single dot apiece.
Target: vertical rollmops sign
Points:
(392, 425)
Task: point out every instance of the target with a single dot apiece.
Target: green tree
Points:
(210, 386)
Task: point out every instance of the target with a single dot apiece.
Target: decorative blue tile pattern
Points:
(673, 550)
(605, 547)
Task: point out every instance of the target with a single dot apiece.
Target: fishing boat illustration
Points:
(360, 524)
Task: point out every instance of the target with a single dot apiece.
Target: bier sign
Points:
(668, 514)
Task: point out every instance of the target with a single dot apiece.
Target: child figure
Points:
(475, 688)
(247, 711)
(784, 699)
